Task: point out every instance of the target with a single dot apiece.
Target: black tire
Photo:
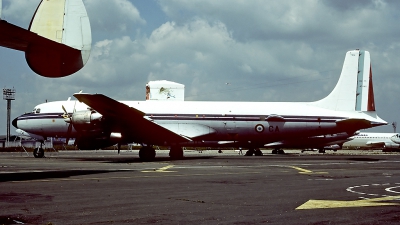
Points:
(147, 153)
(249, 152)
(38, 153)
(258, 152)
(176, 153)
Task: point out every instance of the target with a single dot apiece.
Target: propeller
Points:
(68, 119)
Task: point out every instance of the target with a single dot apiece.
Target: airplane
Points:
(58, 41)
(321, 142)
(97, 121)
(386, 141)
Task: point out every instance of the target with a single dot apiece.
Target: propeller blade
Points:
(74, 107)
(68, 133)
(119, 147)
(65, 111)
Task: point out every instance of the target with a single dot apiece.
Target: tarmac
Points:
(102, 187)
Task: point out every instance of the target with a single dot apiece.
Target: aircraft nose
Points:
(14, 122)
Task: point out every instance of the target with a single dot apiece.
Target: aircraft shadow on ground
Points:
(138, 160)
(26, 176)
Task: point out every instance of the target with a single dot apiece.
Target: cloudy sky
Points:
(223, 50)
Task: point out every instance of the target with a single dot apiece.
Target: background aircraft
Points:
(102, 121)
(322, 142)
(385, 141)
(58, 41)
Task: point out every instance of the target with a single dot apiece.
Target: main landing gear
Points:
(176, 152)
(278, 151)
(147, 153)
(253, 151)
(39, 152)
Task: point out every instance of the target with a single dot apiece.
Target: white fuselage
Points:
(210, 121)
(378, 140)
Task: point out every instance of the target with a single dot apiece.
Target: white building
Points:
(165, 90)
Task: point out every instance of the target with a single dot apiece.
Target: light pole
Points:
(394, 124)
(9, 95)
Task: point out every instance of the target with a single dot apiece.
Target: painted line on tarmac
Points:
(161, 170)
(329, 204)
(305, 171)
(353, 189)
(390, 189)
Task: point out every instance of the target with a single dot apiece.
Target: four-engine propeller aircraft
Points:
(98, 121)
(58, 41)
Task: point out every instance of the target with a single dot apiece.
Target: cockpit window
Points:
(37, 110)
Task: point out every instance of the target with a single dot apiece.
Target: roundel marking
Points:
(259, 128)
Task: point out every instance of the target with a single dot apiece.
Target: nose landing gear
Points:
(39, 152)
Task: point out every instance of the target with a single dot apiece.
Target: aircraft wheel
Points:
(249, 152)
(275, 151)
(38, 153)
(147, 153)
(176, 153)
(280, 151)
(258, 152)
(321, 150)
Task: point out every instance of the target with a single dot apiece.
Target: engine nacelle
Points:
(91, 142)
(86, 120)
(391, 146)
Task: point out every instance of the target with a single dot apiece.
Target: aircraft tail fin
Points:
(58, 42)
(354, 90)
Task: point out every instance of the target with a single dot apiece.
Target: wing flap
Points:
(130, 120)
(189, 130)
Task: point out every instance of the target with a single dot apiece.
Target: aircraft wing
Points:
(14, 37)
(131, 120)
(378, 144)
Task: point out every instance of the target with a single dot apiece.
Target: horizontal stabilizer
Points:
(354, 124)
(58, 42)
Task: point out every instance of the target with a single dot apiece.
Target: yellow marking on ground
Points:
(161, 170)
(304, 171)
(329, 204)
